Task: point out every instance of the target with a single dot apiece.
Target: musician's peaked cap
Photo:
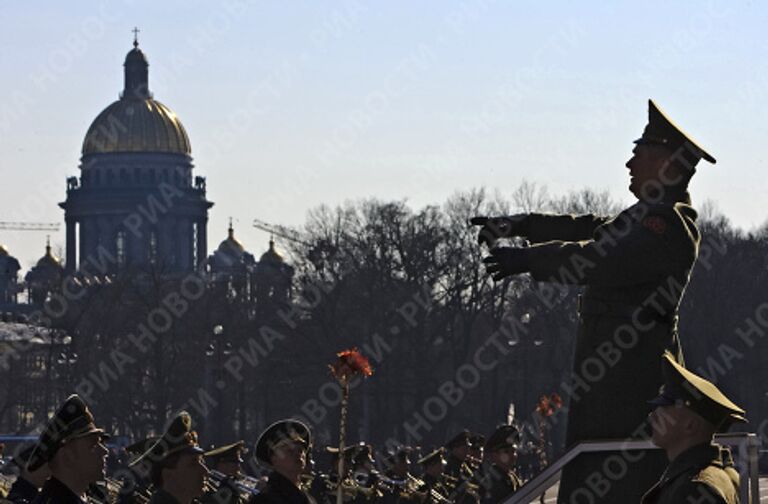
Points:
(178, 438)
(72, 420)
(682, 387)
(432, 457)
(459, 439)
(279, 433)
(139, 447)
(232, 452)
(505, 436)
(661, 130)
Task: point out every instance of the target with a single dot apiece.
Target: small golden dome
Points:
(231, 245)
(49, 259)
(3, 250)
(136, 125)
(271, 255)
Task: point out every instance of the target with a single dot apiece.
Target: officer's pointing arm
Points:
(547, 227)
(645, 252)
(537, 227)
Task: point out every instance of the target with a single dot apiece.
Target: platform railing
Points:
(743, 445)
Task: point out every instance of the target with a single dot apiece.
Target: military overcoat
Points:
(696, 475)
(634, 267)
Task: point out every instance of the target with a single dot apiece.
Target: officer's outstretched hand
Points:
(499, 227)
(506, 261)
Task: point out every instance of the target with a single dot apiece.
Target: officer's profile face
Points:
(672, 425)
(88, 454)
(647, 169)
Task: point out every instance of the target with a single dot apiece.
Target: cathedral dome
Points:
(136, 125)
(136, 122)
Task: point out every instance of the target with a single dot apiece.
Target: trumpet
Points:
(412, 488)
(246, 485)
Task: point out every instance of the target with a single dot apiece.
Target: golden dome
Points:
(3, 250)
(136, 125)
(49, 259)
(231, 246)
(271, 255)
(136, 122)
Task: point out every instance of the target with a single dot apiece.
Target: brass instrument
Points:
(473, 462)
(434, 495)
(351, 488)
(306, 479)
(457, 487)
(246, 485)
(6, 482)
(106, 491)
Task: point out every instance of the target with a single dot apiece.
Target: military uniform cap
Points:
(279, 433)
(432, 457)
(231, 452)
(505, 436)
(348, 451)
(72, 420)
(476, 439)
(363, 452)
(459, 439)
(178, 438)
(682, 387)
(139, 447)
(400, 453)
(661, 130)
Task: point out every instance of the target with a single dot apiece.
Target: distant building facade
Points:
(136, 202)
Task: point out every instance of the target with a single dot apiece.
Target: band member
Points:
(476, 451)
(73, 447)
(227, 462)
(398, 464)
(433, 465)
(458, 452)
(282, 448)
(323, 486)
(399, 486)
(28, 483)
(363, 465)
(500, 479)
(136, 487)
(688, 412)
(176, 464)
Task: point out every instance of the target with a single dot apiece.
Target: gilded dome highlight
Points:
(136, 125)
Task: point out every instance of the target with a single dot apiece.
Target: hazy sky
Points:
(292, 104)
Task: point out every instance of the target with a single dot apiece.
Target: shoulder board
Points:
(715, 478)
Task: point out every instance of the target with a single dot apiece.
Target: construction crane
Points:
(281, 231)
(30, 226)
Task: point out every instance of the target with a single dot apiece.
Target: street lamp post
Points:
(219, 348)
